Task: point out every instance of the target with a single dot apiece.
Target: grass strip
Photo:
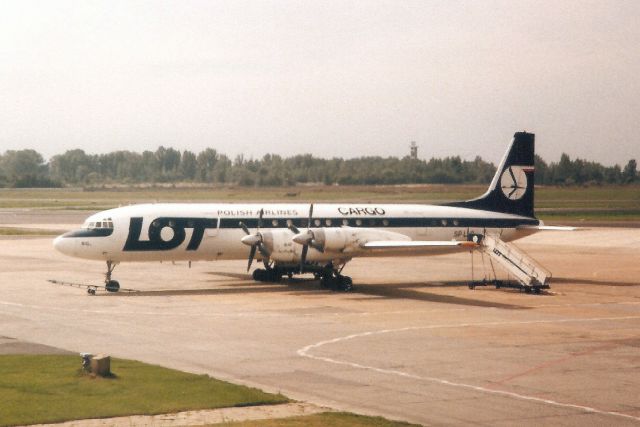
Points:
(16, 231)
(52, 388)
(614, 202)
(325, 419)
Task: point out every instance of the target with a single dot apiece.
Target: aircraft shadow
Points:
(301, 287)
(408, 291)
(241, 276)
(577, 281)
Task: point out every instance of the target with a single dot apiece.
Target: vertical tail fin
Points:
(511, 190)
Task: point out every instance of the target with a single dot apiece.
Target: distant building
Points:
(414, 150)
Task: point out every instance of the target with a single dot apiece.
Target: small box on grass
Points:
(101, 365)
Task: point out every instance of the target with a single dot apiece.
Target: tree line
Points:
(28, 168)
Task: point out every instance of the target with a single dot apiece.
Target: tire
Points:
(346, 284)
(273, 275)
(112, 286)
(325, 282)
(259, 275)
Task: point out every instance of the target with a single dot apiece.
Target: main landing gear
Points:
(337, 282)
(110, 285)
(330, 276)
(267, 275)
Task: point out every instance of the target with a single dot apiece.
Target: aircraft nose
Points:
(63, 245)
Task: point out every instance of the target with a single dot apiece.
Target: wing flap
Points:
(410, 244)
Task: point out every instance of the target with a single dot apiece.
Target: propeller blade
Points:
(316, 246)
(260, 218)
(294, 228)
(310, 215)
(303, 257)
(263, 251)
(244, 227)
(251, 255)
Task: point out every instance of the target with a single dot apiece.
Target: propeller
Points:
(256, 240)
(305, 238)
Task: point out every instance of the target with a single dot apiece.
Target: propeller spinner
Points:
(306, 238)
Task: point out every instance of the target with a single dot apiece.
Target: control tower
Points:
(414, 150)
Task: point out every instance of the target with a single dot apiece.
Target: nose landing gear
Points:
(109, 284)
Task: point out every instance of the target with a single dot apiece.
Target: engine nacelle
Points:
(349, 239)
(335, 239)
(280, 246)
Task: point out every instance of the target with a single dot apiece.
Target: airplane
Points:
(292, 239)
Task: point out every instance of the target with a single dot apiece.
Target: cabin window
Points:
(455, 222)
(327, 222)
(289, 223)
(317, 222)
(345, 222)
(385, 222)
(274, 222)
(358, 222)
(444, 222)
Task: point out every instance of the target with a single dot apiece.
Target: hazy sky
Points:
(331, 78)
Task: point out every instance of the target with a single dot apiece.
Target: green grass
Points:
(326, 419)
(613, 203)
(16, 231)
(590, 215)
(47, 389)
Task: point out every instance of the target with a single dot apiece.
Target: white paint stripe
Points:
(305, 352)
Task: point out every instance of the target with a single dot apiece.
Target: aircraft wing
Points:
(415, 244)
(546, 227)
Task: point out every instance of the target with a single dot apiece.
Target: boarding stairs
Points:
(529, 273)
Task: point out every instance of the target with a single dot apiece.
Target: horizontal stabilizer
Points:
(390, 244)
(547, 228)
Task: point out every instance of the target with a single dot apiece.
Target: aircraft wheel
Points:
(259, 275)
(112, 286)
(91, 291)
(327, 282)
(346, 284)
(273, 275)
(324, 282)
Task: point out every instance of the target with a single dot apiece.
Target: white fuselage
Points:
(197, 232)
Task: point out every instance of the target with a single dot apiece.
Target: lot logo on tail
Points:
(513, 182)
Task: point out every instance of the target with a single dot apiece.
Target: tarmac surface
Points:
(411, 342)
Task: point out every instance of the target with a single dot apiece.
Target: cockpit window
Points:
(106, 223)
